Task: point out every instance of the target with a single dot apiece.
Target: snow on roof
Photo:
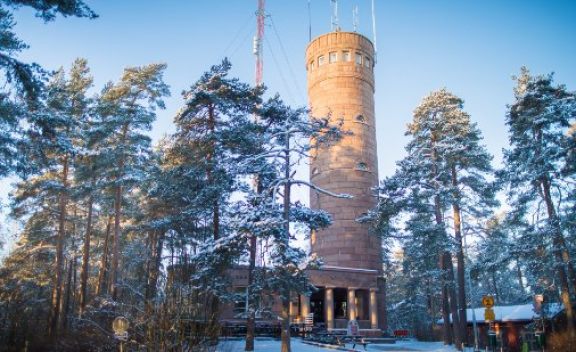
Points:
(522, 312)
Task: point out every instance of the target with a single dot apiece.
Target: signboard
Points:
(309, 322)
(488, 301)
(120, 326)
(401, 333)
(352, 328)
(538, 299)
(489, 314)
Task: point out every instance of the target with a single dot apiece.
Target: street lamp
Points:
(472, 300)
(538, 307)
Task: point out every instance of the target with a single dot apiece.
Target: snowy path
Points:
(270, 345)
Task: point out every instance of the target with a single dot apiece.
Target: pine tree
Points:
(288, 138)
(52, 146)
(538, 122)
(446, 168)
(127, 111)
(212, 138)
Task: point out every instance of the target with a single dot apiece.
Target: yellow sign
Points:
(488, 301)
(489, 314)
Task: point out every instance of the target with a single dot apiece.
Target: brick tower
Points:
(340, 69)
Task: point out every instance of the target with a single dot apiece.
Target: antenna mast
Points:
(355, 18)
(258, 41)
(334, 15)
(374, 32)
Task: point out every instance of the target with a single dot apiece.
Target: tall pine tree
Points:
(538, 123)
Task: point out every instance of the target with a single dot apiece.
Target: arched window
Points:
(362, 167)
(360, 118)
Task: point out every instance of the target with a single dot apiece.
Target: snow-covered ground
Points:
(271, 345)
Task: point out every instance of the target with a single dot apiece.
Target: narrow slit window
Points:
(312, 66)
(367, 62)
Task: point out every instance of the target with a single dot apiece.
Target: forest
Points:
(112, 225)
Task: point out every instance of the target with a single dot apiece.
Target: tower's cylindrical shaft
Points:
(341, 84)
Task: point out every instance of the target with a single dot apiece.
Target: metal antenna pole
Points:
(374, 32)
(334, 19)
(474, 326)
(309, 22)
(355, 18)
(258, 42)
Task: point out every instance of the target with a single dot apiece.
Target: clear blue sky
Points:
(470, 47)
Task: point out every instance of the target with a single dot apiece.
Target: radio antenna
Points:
(334, 15)
(355, 18)
(374, 31)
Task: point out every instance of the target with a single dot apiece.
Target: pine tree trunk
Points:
(495, 283)
(85, 260)
(213, 324)
(113, 278)
(446, 328)
(58, 263)
(66, 310)
(251, 320)
(520, 278)
(285, 326)
(460, 258)
(74, 283)
(453, 301)
(252, 296)
(156, 245)
(114, 270)
(447, 331)
(104, 260)
(156, 261)
(559, 247)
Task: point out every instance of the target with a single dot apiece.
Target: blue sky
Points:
(470, 47)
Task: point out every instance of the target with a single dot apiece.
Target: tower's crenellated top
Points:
(340, 54)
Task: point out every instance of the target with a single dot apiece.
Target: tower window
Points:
(362, 167)
(367, 62)
(358, 58)
(315, 171)
(333, 57)
(346, 56)
(312, 66)
(360, 118)
(320, 60)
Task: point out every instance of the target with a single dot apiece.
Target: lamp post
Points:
(538, 304)
(120, 326)
(472, 300)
